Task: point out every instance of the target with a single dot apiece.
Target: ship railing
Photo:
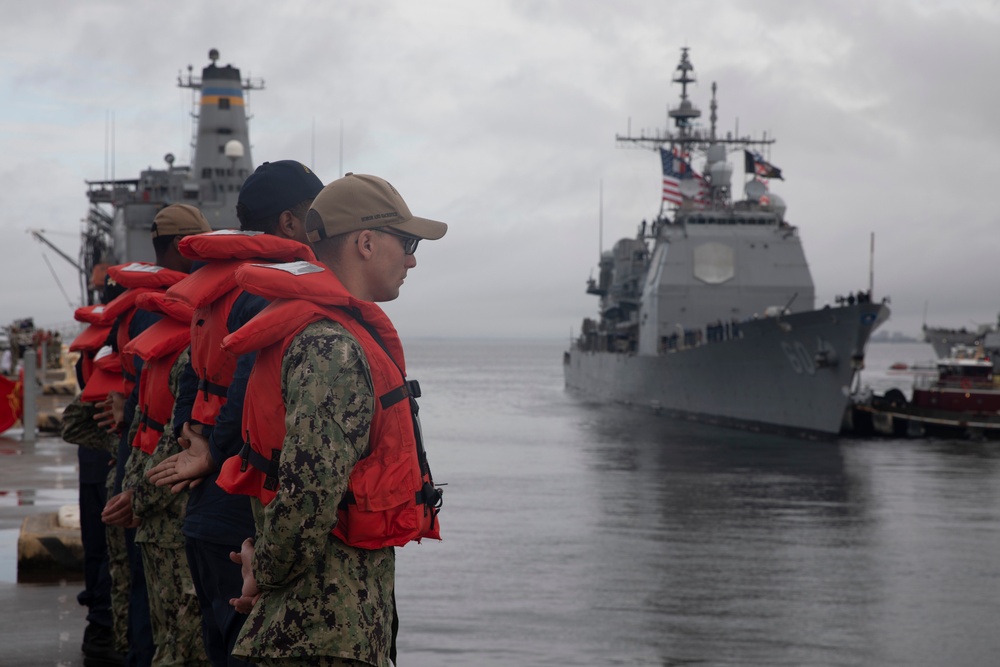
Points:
(623, 338)
(110, 192)
(928, 382)
(99, 219)
(717, 332)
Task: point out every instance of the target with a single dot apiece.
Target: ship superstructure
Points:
(121, 212)
(710, 310)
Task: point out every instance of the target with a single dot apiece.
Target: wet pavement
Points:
(42, 622)
(42, 625)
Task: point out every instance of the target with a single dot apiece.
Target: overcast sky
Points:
(499, 117)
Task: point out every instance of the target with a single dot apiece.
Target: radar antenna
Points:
(686, 139)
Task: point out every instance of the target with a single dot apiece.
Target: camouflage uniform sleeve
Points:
(79, 428)
(133, 464)
(329, 399)
(148, 498)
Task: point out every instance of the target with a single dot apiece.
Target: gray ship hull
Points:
(791, 374)
(943, 340)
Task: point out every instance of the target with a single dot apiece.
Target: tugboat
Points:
(117, 226)
(709, 312)
(960, 400)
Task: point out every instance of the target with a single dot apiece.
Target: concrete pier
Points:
(42, 622)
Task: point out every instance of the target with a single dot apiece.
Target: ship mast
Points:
(686, 113)
(686, 139)
(220, 138)
(121, 212)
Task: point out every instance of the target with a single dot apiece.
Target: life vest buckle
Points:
(430, 495)
(413, 387)
(271, 477)
(245, 456)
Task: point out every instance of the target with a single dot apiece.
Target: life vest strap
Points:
(147, 422)
(348, 499)
(268, 466)
(207, 388)
(432, 498)
(428, 495)
(409, 388)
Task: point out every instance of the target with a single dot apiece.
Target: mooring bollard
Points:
(30, 400)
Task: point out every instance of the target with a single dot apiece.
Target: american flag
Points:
(676, 169)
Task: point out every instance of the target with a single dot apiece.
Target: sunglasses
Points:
(409, 242)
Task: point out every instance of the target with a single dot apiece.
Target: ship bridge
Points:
(721, 267)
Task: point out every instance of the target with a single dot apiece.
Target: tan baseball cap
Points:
(179, 220)
(360, 201)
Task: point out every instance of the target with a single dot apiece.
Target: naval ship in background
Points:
(944, 340)
(117, 227)
(709, 312)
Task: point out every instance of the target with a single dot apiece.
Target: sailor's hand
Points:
(110, 412)
(250, 593)
(189, 467)
(118, 511)
(117, 406)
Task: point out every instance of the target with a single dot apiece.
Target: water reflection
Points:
(736, 548)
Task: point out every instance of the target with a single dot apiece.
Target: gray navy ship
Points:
(117, 227)
(944, 340)
(709, 312)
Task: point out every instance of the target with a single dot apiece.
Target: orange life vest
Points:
(105, 376)
(158, 346)
(139, 278)
(390, 498)
(211, 292)
(91, 339)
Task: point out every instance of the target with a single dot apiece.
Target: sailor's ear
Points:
(288, 224)
(364, 242)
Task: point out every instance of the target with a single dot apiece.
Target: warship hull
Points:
(790, 374)
(944, 340)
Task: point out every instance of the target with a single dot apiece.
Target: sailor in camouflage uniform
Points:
(80, 428)
(170, 224)
(173, 605)
(312, 599)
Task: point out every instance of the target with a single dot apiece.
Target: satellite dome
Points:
(778, 204)
(722, 173)
(755, 190)
(233, 149)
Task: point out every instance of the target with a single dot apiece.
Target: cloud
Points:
(500, 116)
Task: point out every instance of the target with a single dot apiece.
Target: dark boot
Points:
(98, 647)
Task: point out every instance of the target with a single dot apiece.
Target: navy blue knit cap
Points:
(275, 187)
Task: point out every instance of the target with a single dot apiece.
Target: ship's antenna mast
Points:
(871, 267)
(194, 85)
(600, 222)
(686, 113)
(107, 140)
(713, 116)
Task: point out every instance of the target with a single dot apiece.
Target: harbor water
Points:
(578, 533)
